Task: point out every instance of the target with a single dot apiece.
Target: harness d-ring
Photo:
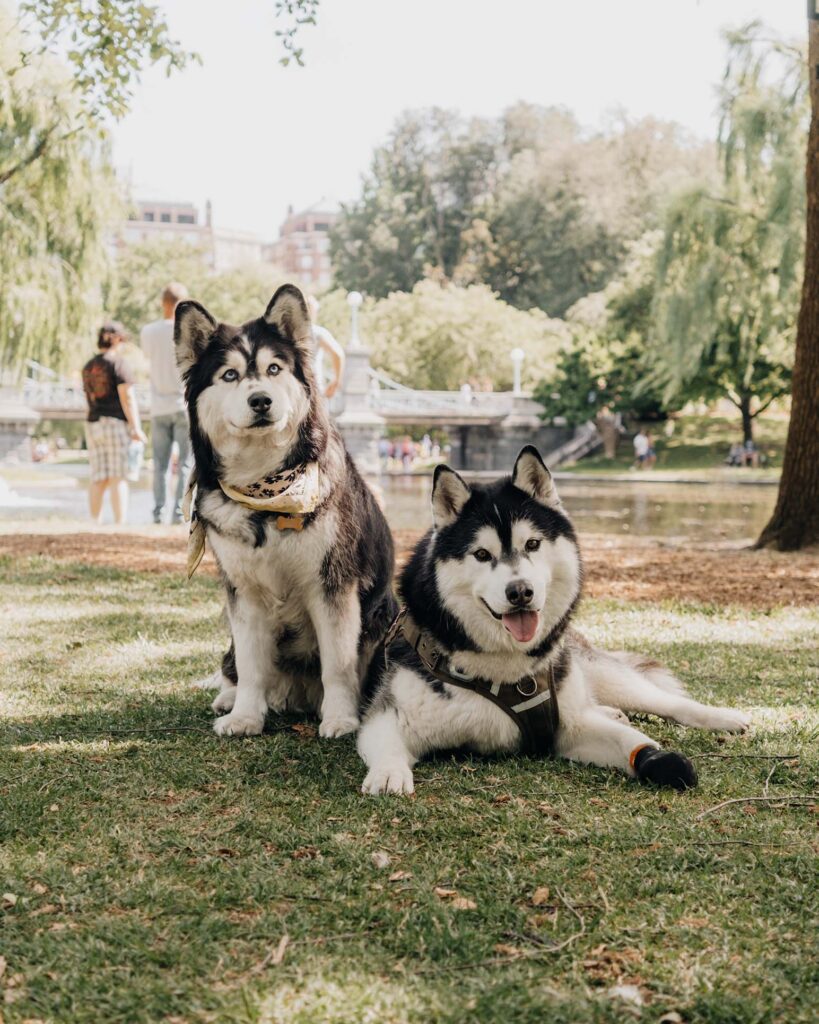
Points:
(527, 693)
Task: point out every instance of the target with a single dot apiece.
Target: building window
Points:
(306, 262)
(185, 218)
(148, 216)
(165, 218)
(321, 225)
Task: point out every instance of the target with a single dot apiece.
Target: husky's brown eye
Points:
(273, 369)
(482, 555)
(532, 544)
(230, 375)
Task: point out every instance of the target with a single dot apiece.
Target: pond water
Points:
(675, 512)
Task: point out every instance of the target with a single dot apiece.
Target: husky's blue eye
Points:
(273, 369)
(482, 555)
(533, 544)
(230, 375)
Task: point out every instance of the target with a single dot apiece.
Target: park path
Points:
(617, 568)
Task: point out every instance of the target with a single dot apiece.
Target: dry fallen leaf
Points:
(443, 893)
(399, 876)
(380, 859)
(47, 908)
(304, 731)
(2, 966)
(504, 950)
(462, 903)
(548, 810)
(693, 922)
(39, 888)
(672, 1017)
(305, 853)
(9, 900)
(540, 897)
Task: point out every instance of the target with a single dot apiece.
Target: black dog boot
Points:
(663, 768)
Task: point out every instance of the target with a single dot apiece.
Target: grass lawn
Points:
(701, 444)
(153, 872)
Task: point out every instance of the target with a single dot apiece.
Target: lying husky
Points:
(484, 657)
(303, 548)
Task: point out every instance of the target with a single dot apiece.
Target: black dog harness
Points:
(531, 702)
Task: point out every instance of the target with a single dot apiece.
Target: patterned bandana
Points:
(293, 492)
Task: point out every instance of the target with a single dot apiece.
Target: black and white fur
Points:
(306, 608)
(494, 551)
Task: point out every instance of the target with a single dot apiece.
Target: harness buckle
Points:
(524, 692)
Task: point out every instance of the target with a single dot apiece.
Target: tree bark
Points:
(795, 521)
(747, 418)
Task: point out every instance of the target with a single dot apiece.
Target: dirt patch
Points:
(615, 568)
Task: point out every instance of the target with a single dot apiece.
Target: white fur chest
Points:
(284, 571)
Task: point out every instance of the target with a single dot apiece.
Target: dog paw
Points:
(225, 701)
(335, 726)
(239, 725)
(726, 720)
(391, 778)
(665, 768)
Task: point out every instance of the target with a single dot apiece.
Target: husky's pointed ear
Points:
(287, 312)
(531, 475)
(192, 330)
(449, 495)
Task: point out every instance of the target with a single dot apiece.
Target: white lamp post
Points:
(354, 300)
(517, 356)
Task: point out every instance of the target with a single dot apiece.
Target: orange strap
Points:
(632, 757)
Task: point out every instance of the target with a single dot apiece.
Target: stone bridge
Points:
(486, 429)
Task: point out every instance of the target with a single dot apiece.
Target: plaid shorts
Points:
(108, 439)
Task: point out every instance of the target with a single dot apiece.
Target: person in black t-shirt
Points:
(112, 423)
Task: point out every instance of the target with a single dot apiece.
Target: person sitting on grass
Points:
(112, 423)
(750, 454)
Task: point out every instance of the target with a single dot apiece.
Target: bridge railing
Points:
(387, 395)
(62, 395)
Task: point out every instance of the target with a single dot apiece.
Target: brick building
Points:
(303, 247)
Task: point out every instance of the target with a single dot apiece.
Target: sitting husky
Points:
(484, 657)
(304, 550)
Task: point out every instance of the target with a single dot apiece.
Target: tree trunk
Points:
(747, 418)
(795, 521)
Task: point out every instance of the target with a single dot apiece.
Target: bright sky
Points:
(253, 136)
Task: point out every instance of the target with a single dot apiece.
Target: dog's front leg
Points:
(337, 622)
(253, 642)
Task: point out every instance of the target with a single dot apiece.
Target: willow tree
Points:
(57, 197)
(795, 521)
(729, 265)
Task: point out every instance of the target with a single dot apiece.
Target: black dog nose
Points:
(519, 593)
(259, 402)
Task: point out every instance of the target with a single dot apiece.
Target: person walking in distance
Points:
(112, 424)
(169, 418)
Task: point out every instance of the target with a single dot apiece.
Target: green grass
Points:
(156, 868)
(699, 443)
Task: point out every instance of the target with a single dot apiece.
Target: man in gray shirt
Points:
(169, 419)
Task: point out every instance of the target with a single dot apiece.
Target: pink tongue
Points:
(522, 625)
